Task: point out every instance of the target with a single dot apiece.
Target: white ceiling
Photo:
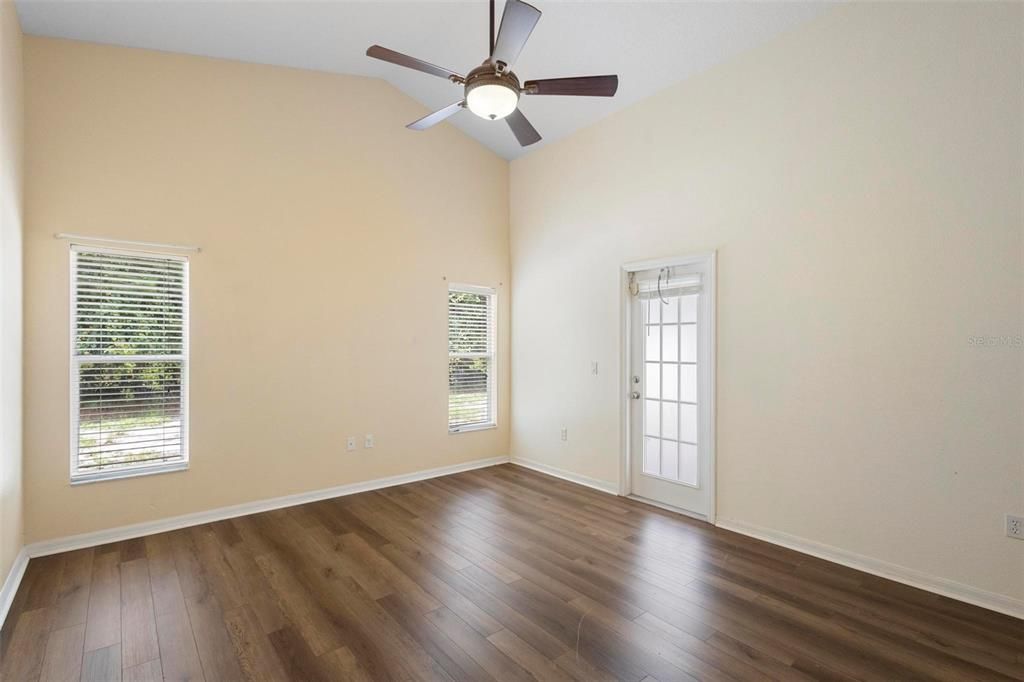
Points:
(649, 44)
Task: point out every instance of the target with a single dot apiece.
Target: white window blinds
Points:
(129, 362)
(471, 358)
(668, 285)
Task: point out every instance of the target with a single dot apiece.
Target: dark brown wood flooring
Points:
(500, 573)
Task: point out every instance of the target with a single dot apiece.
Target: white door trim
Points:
(708, 338)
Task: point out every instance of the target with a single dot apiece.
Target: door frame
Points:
(707, 337)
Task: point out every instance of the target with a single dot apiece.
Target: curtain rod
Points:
(124, 242)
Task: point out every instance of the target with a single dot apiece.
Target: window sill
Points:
(472, 427)
(98, 476)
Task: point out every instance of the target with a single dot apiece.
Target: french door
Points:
(671, 379)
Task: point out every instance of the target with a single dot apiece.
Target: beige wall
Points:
(11, 525)
(318, 300)
(861, 180)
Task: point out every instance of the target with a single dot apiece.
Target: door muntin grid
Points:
(670, 409)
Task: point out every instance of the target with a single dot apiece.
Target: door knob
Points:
(635, 395)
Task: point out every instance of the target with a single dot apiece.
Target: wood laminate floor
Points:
(500, 573)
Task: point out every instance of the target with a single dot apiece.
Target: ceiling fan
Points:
(492, 90)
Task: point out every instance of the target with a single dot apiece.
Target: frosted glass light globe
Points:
(492, 101)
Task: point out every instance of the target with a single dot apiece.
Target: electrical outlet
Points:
(1015, 526)
(368, 443)
(351, 444)
(565, 433)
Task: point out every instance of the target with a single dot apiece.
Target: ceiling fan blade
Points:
(517, 22)
(384, 54)
(522, 128)
(433, 119)
(588, 86)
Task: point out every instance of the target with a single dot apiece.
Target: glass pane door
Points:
(670, 388)
(671, 335)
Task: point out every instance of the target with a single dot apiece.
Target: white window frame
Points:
(79, 477)
(492, 376)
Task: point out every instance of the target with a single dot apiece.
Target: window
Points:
(471, 358)
(129, 363)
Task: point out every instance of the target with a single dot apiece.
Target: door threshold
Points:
(668, 507)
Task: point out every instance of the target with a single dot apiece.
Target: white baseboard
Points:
(10, 587)
(900, 574)
(102, 537)
(595, 483)
(907, 576)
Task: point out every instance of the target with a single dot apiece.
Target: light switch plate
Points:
(368, 443)
(351, 444)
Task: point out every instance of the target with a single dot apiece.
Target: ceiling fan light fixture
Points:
(492, 90)
(491, 101)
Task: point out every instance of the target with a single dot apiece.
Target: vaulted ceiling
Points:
(649, 44)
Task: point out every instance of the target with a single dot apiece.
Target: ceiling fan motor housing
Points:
(490, 77)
